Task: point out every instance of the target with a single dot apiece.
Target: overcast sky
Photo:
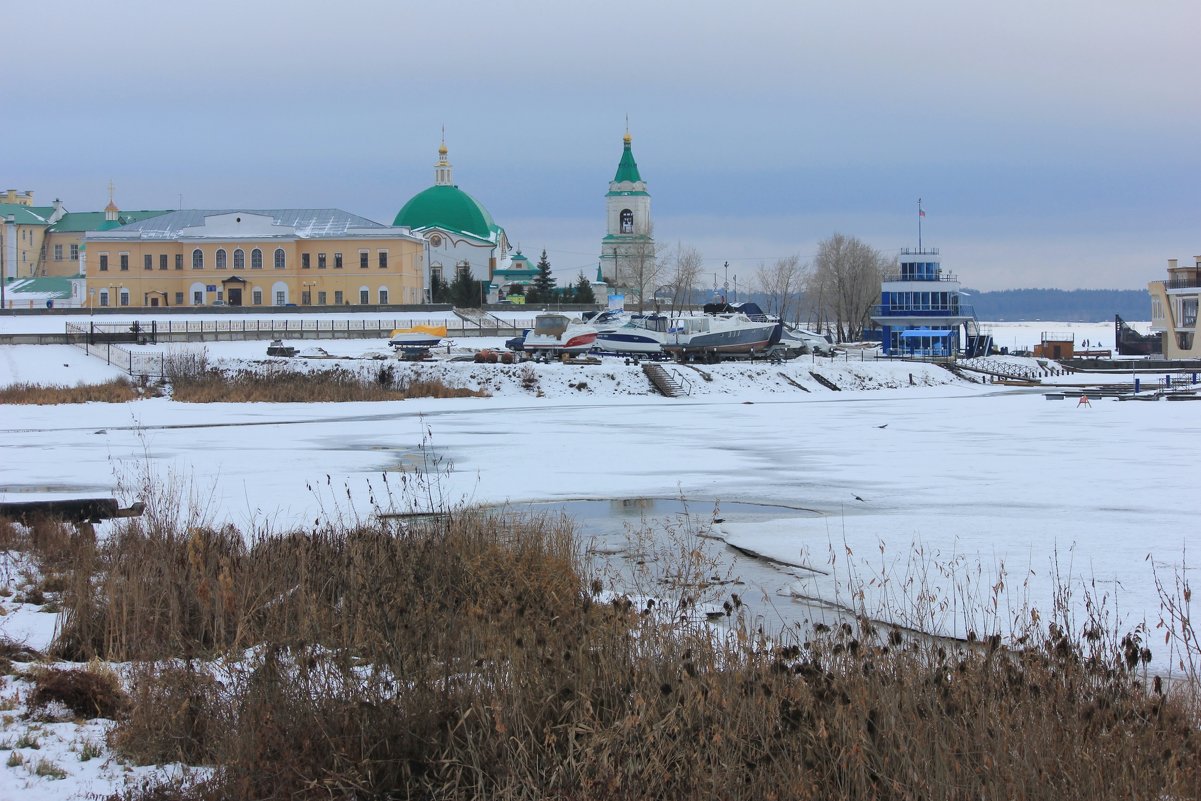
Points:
(1053, 143)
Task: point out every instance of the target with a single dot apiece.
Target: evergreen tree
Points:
(465, 290)
(543, 290)
(583, 290)
(439, 292)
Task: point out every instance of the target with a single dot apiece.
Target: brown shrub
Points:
(87, 693)
(117, 390)
(176, 714)
(284, 385)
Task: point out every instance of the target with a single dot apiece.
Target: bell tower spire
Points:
(442, 176)
(628, 248)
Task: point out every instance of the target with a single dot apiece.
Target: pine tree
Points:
(543, 290)
(438, 289)
(583, 290)
(465, 290)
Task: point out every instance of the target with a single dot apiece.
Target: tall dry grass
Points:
(117, 390)
(194, 380)
(470, 654)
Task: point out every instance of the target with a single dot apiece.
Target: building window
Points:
(306, 298)
(125, 262)
(256, 297)
(627, 221)
(197, 297)
(221, 259)
(364, 296)
(256, 259)
(104, 262)
(239, 259)
(337, 261)
(383, 259)
(58, 252)
(179, 261)
(74, 252)
(280, 297)
(162, 261)
(178, 298)
(383, 296)
(148, 261)
(364, 255)
(304, 261)
(320, 261)
(321, 298)
(124, 297)
(197, 259)
(337, 297)
(104, 297)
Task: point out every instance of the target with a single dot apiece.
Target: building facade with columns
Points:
(245, 257)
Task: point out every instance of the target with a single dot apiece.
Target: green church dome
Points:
(447, 207)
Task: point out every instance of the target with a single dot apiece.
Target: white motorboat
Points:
(734, 333)
(642, 335)
(555, 333)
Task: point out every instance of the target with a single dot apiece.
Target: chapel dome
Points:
(447, 207)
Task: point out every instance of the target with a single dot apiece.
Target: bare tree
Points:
(685, 270)
(636, 264)
(782, 283)
(845, 284)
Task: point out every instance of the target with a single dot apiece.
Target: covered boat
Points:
(417, 336)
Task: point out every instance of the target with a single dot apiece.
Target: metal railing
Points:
(939, 276)
(1184, 281)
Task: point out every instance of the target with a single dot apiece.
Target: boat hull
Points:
(626, 341)
(734, 339)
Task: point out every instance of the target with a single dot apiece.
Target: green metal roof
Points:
(450, 208)
(26, 215)
(83, 221)
(48, 286)
(627, 168)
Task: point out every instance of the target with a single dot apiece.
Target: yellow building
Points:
(23, 233)
(278, 257)
(1174, 306)
(64, 245)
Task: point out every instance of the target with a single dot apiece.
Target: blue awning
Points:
(926, 332)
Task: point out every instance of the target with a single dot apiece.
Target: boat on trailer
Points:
(640, 335)
(555, 334)
(417, 337)
(722, 334)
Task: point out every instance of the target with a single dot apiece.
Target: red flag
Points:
(921, 212)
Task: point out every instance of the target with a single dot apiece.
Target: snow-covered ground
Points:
(907, 478)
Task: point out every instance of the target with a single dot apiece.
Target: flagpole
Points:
(919, 225)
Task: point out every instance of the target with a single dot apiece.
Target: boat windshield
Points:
(551, 325)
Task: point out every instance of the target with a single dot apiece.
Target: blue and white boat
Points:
(639, 335)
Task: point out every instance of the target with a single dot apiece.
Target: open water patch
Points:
(636, 545)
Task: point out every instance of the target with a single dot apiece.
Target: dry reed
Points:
(470, 655)
(117, 390)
